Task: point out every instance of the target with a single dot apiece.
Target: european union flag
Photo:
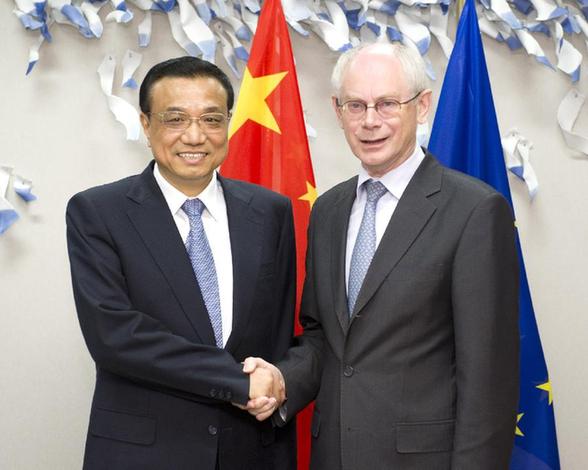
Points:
(465, 136)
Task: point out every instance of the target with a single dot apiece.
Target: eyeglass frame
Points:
(373, 106)
(191, 119)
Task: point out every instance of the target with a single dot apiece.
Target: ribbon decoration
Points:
(144, 30)
(8, 214)
(120, 14)
(569, 58)
(130, 63)
(180, 36)
(516, 155)
(197, 31)
(567, 113)
(123, 112)
(90, 11)
(340, 24)
(21, 186)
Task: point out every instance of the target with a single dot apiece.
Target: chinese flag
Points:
(268, 144)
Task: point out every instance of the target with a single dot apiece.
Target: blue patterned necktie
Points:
(203, 265)
(365, 244)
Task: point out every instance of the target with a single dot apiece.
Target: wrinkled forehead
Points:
(199, 89)
(374, 73)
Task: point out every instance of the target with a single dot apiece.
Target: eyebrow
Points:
(381, 98)
(209, 109)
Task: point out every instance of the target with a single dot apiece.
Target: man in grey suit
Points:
(410, 304)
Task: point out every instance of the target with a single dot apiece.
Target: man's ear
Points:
(423, 106)
(335, 103)
(146, 127)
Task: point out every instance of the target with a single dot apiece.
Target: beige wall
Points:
(56, 129)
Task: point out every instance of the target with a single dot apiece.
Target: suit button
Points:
(212, 430)
(213, 392)
(348, 371)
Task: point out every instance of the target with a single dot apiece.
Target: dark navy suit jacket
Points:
(163, 389)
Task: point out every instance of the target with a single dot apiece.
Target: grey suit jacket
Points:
(424, 374)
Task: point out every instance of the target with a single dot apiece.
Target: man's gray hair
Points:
(409, 58)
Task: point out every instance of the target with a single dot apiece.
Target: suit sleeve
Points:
(485, 312)
(131, 343)
(302, 365)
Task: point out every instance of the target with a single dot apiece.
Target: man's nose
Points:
(193, 134)
(371, 118)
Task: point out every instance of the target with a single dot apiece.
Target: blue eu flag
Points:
(465, 137)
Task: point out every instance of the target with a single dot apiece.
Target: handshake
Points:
(267, 389)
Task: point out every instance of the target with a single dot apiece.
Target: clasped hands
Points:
(267, 389)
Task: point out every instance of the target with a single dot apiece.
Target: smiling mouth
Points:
(372, 141)
(192, 156)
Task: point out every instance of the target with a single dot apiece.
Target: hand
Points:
(267, 390)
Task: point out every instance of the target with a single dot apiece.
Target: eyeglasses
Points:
(386, 107)
(180, 121)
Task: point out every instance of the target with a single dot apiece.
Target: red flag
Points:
(268, 144)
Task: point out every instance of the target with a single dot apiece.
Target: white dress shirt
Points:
(395, 181)
(216, 226)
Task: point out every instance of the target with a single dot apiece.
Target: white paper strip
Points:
(203, 10)
(23, 188)
(532, 47)
(567, 113)
(547, 10)
(438, 27)
(227, 50)
(220, 8)
(34, 53)
(8, 214)
(197, 31)
(90, 10)
(180, 36)
(569, 58)
(121, 13)
(130, 63)
(144, 5)
(418, 33)
(123, 112)
(517, 149)
(503, 11)
(240, 29)
(144, 30)
(249, 18)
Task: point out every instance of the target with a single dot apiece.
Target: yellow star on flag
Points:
(251, 103)
(310, 195)
(518, 432)
(547, 388)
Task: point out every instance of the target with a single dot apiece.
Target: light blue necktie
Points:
(365, 244)
(203, 265)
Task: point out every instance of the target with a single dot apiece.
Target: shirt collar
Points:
(397, 179)
(211, 196)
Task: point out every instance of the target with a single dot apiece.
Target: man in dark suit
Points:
(410, 304)
(178, 275)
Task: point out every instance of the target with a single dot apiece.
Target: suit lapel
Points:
(339, 226)
(411, 215)
(153, 221)
(246, 233)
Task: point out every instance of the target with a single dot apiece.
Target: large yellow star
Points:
(251, 103)
(547, 388)
(310, 195)
(518, 432)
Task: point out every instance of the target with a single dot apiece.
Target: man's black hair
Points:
(183, 67)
